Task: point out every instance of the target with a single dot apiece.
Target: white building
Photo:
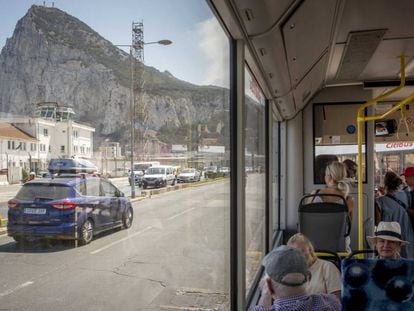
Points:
(55, 135)
(110, 149)
(15, 147)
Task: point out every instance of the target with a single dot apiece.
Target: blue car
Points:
(67, 207)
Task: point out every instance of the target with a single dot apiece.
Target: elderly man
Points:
(387, 240)
(286, 273)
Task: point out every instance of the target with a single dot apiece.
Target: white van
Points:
(140, 169)
(159, 176)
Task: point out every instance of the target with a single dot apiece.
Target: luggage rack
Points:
(72, 168)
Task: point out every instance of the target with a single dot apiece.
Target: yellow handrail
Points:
(361, 118)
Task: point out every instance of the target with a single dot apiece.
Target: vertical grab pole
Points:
(76, 227)
(360, 123)
(361, 119)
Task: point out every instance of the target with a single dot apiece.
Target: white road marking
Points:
(10, 291)
(182, 213)
(121, 240)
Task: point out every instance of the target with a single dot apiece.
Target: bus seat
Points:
(329, 256)
(377, 284)
(326, 224)
(366, 253)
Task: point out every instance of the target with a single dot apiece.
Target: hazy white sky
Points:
(199, 53)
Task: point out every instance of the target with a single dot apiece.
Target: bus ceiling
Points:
(300, 47)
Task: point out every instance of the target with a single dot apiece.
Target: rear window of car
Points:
(156, 170)
(188, 171)
(43, 192)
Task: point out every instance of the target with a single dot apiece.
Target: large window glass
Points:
(255, 147)
(394, 142)
(335, 138)
(142, 84)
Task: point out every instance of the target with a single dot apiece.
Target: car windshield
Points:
(188, 170)
(31, 192)
(141, 167)
(156, 170)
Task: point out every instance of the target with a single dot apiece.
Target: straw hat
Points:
(390, 231)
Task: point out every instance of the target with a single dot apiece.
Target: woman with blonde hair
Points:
(325, 276)
(336, 183)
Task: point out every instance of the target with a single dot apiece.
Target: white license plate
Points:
(36, 211)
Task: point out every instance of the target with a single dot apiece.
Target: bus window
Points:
(395, 150)
(335, 141)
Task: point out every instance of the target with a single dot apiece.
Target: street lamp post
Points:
(132, 102)
(132, 112)
(30, 162)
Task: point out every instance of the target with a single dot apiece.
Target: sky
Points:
(199, 53)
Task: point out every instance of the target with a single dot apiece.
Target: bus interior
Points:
(317, 63)
(305, 82)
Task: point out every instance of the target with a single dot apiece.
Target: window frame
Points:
(364, 139)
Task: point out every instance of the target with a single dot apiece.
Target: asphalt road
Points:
(174, 256)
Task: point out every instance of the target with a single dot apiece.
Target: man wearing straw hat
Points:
(387, 240)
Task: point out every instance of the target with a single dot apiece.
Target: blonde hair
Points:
(337, 171)
(303, 239)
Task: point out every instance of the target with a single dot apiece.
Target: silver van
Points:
(159, 176)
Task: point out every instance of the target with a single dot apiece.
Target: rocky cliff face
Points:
(53, 56)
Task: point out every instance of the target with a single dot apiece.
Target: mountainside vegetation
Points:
(53, 56)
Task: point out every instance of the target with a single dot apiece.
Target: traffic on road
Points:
(163, 228)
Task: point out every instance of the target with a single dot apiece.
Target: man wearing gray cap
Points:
(286, 273)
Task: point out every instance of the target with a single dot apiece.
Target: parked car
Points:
(140, 169)
(71, 166)
(188, 175)
(211, 171)
(159, 176)
(138, 176)
(44, 174)
(224, 171)
(68, 206)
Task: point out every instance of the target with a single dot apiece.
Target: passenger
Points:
(336, 183)
(351, 168)
(393, 207)
(326, 277)
(321, 162)
(284, 283)
(409, 181)
(387, 240)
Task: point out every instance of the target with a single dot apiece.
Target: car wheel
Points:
(173, 182)
(86, 232)
(144, 186)
(127, 218)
